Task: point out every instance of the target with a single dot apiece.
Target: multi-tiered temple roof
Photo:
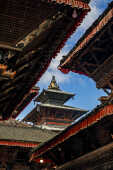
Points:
(51, 109)
(53, 95)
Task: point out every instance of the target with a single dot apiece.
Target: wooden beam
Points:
(98, 49)
(85, 70)
(102, 68)
(95, 58)
(83, 67)
(88, 159)
(54, 157)
(105, 90)
(110, 85)
(9, 74)
(36, 37)
(91, 45)
(25, 58)
(88, 64)
(110, 32)
(8, 47)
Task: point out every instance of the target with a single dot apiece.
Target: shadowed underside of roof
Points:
(31, 34)
(94, 51)
(18, 18)
(77, 140)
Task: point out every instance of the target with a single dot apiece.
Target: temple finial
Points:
(53, 84)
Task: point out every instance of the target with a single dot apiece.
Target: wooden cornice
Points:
(8, 47)
(73, 130)
(90, 34)
(34, 40)
(101, 155)
(18, 143)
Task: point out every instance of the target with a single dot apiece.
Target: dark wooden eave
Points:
(93, 54)
(87, 134)
(25, 101)
(52, 94)
(12, 157)
(28, 41)
(98, 159)
(18, 18)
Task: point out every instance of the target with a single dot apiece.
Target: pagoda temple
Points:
(51, 111)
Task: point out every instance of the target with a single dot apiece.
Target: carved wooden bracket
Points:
(6, 73)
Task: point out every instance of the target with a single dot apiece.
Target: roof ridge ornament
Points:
(53, 84)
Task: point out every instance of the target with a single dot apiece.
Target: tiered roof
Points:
(53, 99)
(53, 95)
(18, 133)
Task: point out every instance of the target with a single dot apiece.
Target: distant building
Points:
(51, 113)
(17, 139)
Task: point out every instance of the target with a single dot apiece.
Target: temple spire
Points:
(53, 84)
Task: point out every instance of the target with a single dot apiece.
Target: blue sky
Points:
(86, 93)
